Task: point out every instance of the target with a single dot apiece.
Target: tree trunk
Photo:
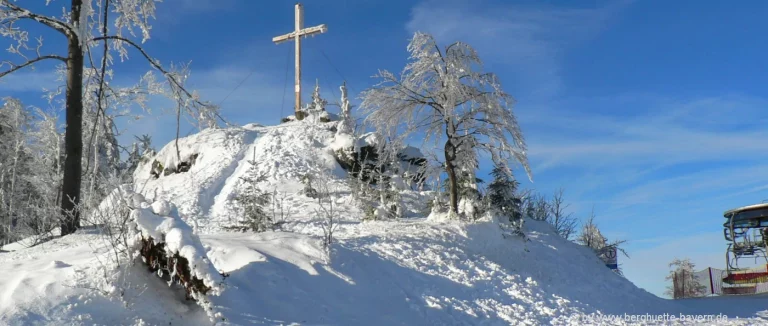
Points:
(453, 187)
(73, 137)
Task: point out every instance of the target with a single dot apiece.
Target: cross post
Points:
(295, 36)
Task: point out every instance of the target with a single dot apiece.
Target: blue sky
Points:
(652, 112)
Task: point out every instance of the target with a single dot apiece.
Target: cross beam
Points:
(296, 37)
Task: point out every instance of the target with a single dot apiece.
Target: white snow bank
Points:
(61, 282)
(424, 273)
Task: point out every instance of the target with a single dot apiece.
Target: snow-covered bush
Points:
(309, 190)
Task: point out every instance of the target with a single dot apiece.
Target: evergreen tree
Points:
(253, 202)
(502, 196)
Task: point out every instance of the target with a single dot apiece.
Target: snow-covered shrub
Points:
(309, 190)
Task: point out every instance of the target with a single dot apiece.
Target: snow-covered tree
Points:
(253, 202)
(30, 171)
(684, 282)
(445, 95)
(591, 237)
(316, 109)
(85, 27)
(346, 122)
(504, 199)
(47, 147)
(14, 163)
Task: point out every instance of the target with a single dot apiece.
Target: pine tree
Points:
(253, 202)
(502, 196)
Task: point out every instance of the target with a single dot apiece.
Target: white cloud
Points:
(529, 40)
(29, 81)
(708, 129)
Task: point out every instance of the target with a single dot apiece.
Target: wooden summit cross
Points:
(296, 37)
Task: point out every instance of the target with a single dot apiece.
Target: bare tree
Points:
(280, 209)
(329, 214)
(443, 94)
(79, 25)
(535, 206)
(564, 224)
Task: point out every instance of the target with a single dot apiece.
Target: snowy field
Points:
(405, 272)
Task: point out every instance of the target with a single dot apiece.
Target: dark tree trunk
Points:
(450, 168)
(73, 137)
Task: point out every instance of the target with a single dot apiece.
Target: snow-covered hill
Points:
(407, 272)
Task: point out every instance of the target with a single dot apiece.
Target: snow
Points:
(416, 271)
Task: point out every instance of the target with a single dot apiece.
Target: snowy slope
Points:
(411, 272)
(284, 154)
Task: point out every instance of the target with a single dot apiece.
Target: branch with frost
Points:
(444, 95)
(175, 80)
(18, 49)
(10, 13)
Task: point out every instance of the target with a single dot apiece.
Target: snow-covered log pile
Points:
(169, 247)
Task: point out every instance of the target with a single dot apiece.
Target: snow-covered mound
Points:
(398, 272)
(283, 154)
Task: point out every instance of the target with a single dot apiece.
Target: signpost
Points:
(610, 258)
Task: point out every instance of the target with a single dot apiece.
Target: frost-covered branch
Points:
(10, 13)
(174, 80)
(14, 67)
